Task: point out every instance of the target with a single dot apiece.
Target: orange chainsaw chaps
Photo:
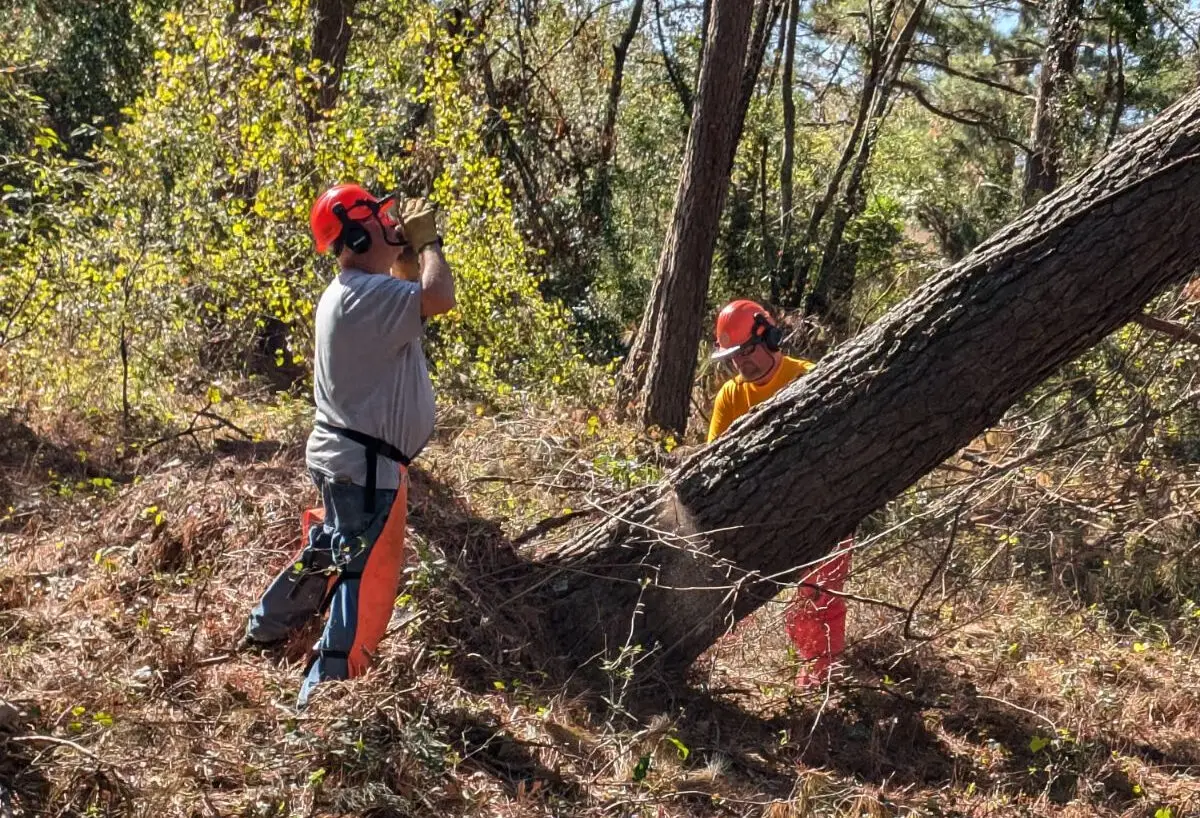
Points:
(379, 583)
(815, 621)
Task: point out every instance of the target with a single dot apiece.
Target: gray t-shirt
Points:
(369, 375)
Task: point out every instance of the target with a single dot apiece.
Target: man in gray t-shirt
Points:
(374, 413)
(369, 375)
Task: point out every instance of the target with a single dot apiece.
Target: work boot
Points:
(248, 644)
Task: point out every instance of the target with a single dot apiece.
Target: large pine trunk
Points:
(672, 569)
(658, 372)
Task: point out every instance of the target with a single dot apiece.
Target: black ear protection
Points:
(766, 332)
(353, 235)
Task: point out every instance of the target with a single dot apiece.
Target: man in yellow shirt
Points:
(748, 339)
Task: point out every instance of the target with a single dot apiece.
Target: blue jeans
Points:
(335, 550)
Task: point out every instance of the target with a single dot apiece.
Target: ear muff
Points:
(766, 332)
(354, 235)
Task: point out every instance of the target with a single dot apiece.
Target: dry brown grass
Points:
(118, 609)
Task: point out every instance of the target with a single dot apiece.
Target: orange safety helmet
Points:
(346, 206)
(744, 323)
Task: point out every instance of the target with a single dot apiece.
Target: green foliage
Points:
(507, 335)
(187, 249)
(84, 58)
(175, 250)
(641, 769)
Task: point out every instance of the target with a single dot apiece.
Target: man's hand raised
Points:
(418, 222)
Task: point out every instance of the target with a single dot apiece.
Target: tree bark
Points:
(1058, 67)
(600, 207)
(672, 569)
(785, 271)
(835, 279)
(658, 369)
(330, 45)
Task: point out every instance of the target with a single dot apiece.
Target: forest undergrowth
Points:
(1021, 641)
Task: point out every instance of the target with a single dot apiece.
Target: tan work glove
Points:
(418, 221)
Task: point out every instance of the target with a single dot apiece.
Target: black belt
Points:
(374, 447)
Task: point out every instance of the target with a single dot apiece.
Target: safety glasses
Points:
(745, 351)
(364, 209)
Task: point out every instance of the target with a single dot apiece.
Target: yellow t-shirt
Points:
(737, 397)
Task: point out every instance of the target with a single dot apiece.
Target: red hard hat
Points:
(359, 204)
(738, 325)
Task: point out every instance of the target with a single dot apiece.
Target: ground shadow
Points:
(484, 744)
(24, 789)
(933, 729)
(27, 461)
(253, 451)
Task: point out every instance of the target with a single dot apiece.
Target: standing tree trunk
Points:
(793, 296)
(670, 571)
(599, 210)
(330, 45)
(785, 265)
(835, 279)
(674, 72)
(741, 204)
(658, 370)
(1058, 68)
(1118, 90)
(705, 25)
(765, 17)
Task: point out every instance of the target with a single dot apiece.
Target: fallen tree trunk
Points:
(671, 570)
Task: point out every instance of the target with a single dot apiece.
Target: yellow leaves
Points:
(203, 203)
(153, 513)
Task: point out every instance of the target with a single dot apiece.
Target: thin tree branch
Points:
(550, 523)
(1178, 25)
(941, 566)
(986, 127)
(1168, 328)
(62, 742)
(967, 75)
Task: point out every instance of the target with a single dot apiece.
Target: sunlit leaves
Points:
(187, 245)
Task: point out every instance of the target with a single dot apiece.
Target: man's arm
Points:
(437, 282)
(418, 221)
